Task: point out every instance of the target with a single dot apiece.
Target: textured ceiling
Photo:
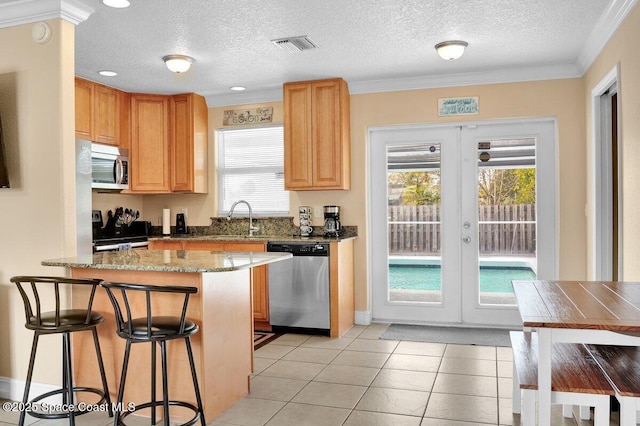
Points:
(361, 41)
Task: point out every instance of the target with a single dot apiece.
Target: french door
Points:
(456, 213)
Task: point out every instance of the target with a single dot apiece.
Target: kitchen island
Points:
(223, 348)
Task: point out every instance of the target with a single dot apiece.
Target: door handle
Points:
(466, 240)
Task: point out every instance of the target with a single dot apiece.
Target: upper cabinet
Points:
(188, 143)
(149, 156)
(98, 113)
(317, 141)
(168, 143)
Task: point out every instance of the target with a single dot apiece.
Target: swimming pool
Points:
(419, 276)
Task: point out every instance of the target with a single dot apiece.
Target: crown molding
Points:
(22, 12)
(413, 83)
(242, 98)
(609, 22)
(465, 79)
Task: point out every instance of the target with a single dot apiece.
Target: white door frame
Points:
(600, 208)
(547, 210)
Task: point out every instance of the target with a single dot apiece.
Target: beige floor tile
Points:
(347, 374)
(290, 339)
(405, 379)
(394, 401)
(361, 359)
(505, 387)
(354, 331)
(309, 415)
(251, 412)
(470, 351)
(324, 342)
(89, 419)
(273, 351)
(370, 345)
(505, 369)
(504, 353)
(373, 331)
(480, 409)
(11, 416)
(442, 422)
(320, 356)
(276, 388)
(420, 348)
(478, 367)
(260, 364)
(466, 385)
(413, 362)
(506, 416)
(369, 418)
(293, 370)
(330, 395)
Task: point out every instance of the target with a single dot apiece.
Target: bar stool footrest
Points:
(64, 415)
(160, 404)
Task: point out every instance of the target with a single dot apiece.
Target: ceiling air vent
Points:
(294, 44)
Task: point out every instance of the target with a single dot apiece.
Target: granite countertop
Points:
(169, 260)
(270, 229)
(256, 238)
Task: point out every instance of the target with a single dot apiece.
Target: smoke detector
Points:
(294, 44)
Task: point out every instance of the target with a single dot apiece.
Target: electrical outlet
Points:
(317, 211)
(184, 211)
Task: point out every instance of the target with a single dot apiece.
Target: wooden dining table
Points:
(596, 312)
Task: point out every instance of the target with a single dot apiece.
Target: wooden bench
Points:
(622, 365)
(576, 378)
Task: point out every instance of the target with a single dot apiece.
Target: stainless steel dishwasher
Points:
(299, 287)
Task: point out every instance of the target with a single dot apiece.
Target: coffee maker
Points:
(332, 226)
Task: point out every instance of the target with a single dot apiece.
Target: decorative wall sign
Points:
(241, 117)
(458, 106)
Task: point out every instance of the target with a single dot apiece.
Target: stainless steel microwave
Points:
(109, 167)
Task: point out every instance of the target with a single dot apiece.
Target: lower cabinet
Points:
(259, 275)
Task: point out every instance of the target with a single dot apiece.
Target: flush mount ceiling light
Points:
(119, 4)
(108, 73)
(178, 63)
(237, 88)
(451, 49)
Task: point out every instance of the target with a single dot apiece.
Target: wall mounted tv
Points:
(4, 175)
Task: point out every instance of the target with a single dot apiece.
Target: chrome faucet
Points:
(252, 228)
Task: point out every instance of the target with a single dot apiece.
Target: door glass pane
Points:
(413, 224)
(506, 217)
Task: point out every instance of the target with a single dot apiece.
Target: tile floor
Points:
(359, 380)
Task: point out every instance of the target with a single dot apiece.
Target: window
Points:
(251, 168)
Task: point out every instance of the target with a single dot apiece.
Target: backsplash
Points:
(267, 226)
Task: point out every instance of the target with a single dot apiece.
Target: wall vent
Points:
(294, 44)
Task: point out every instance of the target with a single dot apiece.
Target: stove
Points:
(123, 236)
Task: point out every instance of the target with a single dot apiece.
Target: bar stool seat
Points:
(161, 328)
(36, 291)
(141, 325)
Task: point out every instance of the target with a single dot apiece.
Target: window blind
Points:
(251, 168)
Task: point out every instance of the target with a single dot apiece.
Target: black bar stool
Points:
(138, 327)
(35, 292)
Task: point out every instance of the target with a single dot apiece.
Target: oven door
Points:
(99, 247)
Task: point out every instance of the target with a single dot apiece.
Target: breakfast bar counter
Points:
(222, 308)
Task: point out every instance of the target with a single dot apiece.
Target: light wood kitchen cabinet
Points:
(341, 286)
(149, 154)
(98, 112)
(317, 140)
(169, 144)
(84, 108)
(188, 147)
(259, 274)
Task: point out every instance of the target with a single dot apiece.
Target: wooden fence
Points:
(503, 230)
